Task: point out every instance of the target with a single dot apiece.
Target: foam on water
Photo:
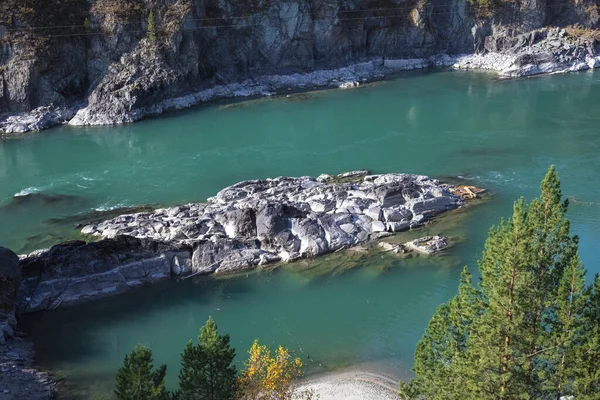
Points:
(111, 206)
(27, 191)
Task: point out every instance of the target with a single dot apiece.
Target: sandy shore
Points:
(352, 385)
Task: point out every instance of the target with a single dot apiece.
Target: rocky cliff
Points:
(100, 61)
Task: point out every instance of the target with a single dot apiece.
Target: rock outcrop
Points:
(10, 278)
(96, 55)
(542, 51)
(77, 271)
(245, 225)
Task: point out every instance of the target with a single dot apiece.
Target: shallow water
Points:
(501, 135)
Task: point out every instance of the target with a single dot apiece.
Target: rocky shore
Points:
(249, 224)
(543, 51)
(18, 377)
(112, 111)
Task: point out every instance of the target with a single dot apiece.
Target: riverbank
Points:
(543, 51)
(19, 378)
(353, 384)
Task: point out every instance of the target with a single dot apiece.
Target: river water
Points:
(340, 310)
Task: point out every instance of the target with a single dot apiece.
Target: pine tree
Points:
(87, 26)
(586, 371)
(522, 333)
(207, 370)
(136, 379)
(440, 349)
(151, 29)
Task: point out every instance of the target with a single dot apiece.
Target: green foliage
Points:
(531, 330)
(151, 29)
(87, 26)
(136, 379)
(207, 370)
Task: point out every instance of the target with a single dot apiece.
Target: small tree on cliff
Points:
(530, 330)
(136, 379)
(151, 29)
(87, 26)
(207, 370)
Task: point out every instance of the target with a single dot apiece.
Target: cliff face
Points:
(54, 52)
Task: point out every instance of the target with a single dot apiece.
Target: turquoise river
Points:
(344, 310)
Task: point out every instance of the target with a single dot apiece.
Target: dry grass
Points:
(119, 8)
(581, 32)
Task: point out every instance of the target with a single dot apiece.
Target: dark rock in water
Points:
(245, 225)
(43, 200)
(76, 271)
(10, 278)
(80, 220)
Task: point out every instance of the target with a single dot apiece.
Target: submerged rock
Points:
(37, 199)
(245, 225)
(391, 247)
(428, 245)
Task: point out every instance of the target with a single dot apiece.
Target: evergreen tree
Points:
(522, 334)
(87, 26)
(586, 370)
(442, 345)
(136, 379)
(151, 29)
(207, 370)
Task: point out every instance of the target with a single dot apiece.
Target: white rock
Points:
(378, 226)
(348, 85)
(594, 62)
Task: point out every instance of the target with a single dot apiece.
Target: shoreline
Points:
(353, 383)
(544, 55)
(21, 377)
(348, 77)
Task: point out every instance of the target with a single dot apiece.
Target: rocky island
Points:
(248, 224)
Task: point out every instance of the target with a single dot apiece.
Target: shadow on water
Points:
(46, 327)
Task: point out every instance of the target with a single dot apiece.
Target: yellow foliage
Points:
(269, 376)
